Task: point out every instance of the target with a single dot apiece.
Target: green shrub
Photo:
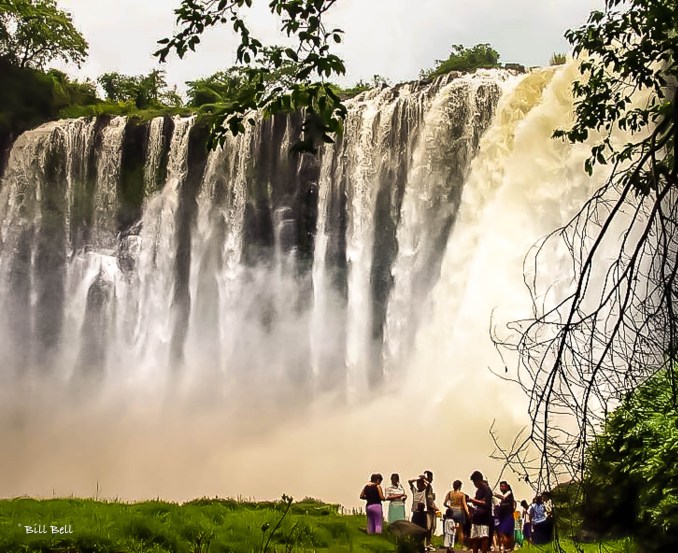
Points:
(631, 485)
(480, 56)
(558, 59)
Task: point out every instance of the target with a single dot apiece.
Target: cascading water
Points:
(199, 297)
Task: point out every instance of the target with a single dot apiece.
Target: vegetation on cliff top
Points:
(274, 79)
(480, 56)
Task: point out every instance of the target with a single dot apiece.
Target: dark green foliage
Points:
(480, 56)
(337, 529)
(358, 88)
(71, 93)
(35, 32)
(361, 86)
(631, 484)
(315, 507)
(144, 91)
(32, 34)
(152, 530)
(118, 87)
(226, 503)
(558, 59)
(632, 46)
(567, 504)
(114, 109)
(26, 98)
(308, 64)
(234, 84)
(219, 87)
(29, 97)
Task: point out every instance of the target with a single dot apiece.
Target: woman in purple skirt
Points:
(505, 530)
(374, 495)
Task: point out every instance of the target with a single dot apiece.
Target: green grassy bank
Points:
(199, 526)
(214, 525)
(566, 546)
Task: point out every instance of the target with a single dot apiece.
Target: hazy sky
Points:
(388, 37)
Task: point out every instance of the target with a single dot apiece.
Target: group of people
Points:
(486, 519)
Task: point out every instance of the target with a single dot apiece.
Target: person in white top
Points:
(396, 496)
(418, 488)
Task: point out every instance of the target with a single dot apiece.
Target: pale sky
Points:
(392, 38)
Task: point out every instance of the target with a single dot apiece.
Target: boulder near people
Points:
(373, 495)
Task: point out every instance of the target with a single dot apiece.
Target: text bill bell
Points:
(47, 529)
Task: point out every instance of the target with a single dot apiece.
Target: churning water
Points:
(176, 323)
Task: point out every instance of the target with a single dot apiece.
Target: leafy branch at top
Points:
(302, 86)
(633, 47)
(36, 32)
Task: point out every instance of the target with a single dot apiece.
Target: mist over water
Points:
(266, 325)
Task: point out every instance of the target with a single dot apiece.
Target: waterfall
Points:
(246, 245)
(222, 305)
(107, 176)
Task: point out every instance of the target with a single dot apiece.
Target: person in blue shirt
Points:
(539, 523)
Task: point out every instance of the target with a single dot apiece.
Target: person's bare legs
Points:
(507, 543)
(484, 544)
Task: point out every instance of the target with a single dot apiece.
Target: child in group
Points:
(456, 515)
(449, 532)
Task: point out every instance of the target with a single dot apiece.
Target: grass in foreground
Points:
(566, 546)
(200, 526)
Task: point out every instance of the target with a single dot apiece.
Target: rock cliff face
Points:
(129, 247)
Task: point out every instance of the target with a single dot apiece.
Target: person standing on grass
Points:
(457, 509)
(548, 507)
(396, 496)
(432, 510)
(418, 488)
(539, 523)
(482, 514)
(506, 527)
(527, 524)
(373, 494)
